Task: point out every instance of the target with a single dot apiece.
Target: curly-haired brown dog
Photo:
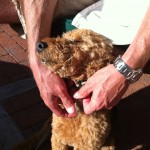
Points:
(77, 55)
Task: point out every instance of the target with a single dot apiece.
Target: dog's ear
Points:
(41, 46)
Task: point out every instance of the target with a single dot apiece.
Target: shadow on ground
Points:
(11, 72)
(133, 121)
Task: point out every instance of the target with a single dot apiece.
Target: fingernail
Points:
(70, 110)
(76, 95)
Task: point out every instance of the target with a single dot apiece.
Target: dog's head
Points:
(53, 51)
(76, 60)
(61, 56)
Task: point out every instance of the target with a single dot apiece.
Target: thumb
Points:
(67, 102)
(83, 92)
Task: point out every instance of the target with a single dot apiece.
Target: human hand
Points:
(102, 90)
(53, 91)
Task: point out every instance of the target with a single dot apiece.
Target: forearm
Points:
(138, 52)
(38, 17)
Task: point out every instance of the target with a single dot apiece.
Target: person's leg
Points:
(71, 7)
(8, 14)
(64, 13)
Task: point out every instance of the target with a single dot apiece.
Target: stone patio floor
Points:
(20, 101)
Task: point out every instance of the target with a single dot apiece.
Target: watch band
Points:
(130, 74)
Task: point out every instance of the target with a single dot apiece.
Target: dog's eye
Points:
(41, 46)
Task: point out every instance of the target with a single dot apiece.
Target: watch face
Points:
(136, 75)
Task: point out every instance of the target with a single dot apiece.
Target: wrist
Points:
(36, 65)
(34, 61)
(137, 55)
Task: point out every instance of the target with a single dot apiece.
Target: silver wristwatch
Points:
(130, 74)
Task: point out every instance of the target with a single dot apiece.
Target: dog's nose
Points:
(41, 46)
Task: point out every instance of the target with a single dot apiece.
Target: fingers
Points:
(87, 105)
(53, 104)
(67, 102)
(84, 91)
(99, 100)
(94, 100)
(93, 103)
(85, 94)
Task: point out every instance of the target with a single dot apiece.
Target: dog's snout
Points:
(41, 46)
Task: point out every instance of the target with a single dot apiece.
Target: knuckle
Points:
(61, 92)
(59, 114)
(89, 108)
(67, 102)
(49, 101)
(87, 112)
(48, 104)
(84, 89)
(56, 110)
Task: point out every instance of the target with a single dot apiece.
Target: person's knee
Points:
(72, 7)
(8, 13)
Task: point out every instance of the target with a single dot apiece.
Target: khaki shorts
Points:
(63, 8)
(71, 7)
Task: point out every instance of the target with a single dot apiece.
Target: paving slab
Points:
(9, 133)
(27, 110)
(13, 56)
